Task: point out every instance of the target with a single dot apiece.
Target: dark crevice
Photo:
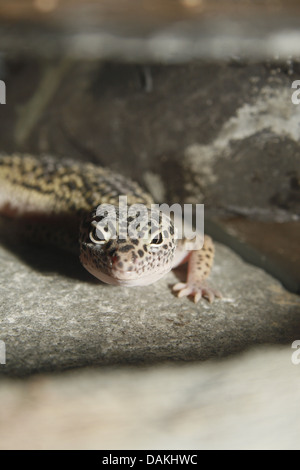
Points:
(252, 256)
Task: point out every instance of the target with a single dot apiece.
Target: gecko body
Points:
(57, 202)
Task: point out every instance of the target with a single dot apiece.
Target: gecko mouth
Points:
(126, 278)
(131, 278)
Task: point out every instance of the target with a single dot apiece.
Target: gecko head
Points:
(127, 248)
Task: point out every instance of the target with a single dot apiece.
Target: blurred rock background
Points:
(192, 99)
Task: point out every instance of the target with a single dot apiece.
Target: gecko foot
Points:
(198, 290)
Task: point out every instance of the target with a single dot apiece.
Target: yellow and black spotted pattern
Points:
(47, 192)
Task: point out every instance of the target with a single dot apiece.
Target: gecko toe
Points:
(197, 290)
(179, 286)
(185, 292)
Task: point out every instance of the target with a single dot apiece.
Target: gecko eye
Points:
(157, 239)
(99, 236)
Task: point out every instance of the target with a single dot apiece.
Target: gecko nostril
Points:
(112, 256)
(114, 259)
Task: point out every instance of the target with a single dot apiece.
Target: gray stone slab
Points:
(250, 401)
(54, 316)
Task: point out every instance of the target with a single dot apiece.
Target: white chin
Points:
(127, 279)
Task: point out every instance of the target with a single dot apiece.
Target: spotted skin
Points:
(57, 202)
(200, 264)
(135, 260)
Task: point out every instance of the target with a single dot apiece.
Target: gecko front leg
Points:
(199, 266)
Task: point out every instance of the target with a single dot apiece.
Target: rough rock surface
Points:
(224, 134)
(54, 316)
